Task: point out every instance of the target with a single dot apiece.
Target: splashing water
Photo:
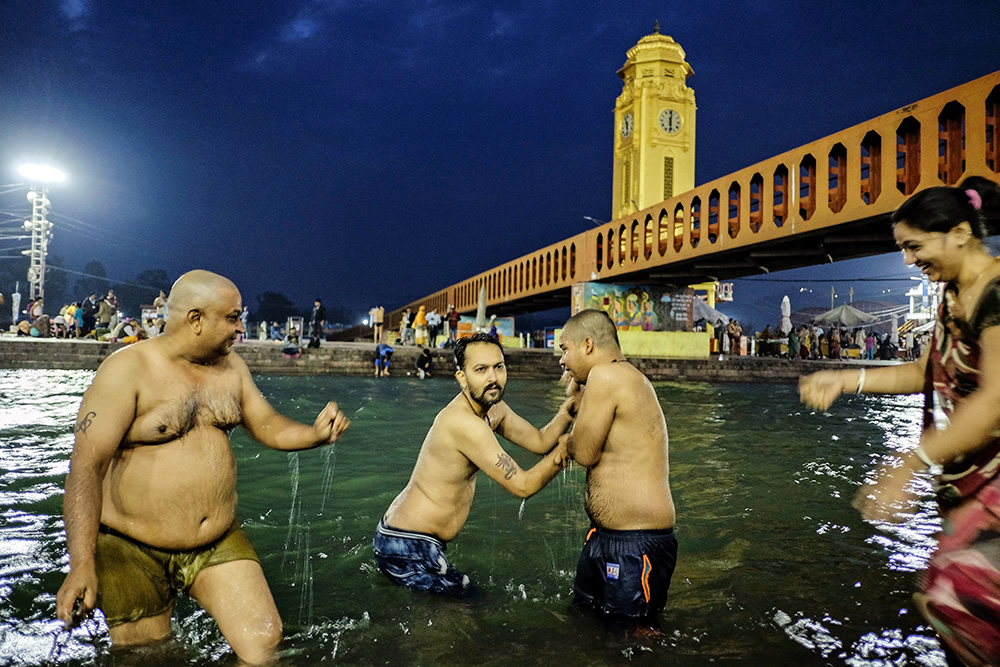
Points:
(297, 542)
(328, 455)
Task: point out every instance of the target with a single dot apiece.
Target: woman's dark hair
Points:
(976, 201)
(463, 343)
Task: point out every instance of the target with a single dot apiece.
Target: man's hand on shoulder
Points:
(330, 423)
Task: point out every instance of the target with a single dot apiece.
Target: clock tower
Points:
(654, 126)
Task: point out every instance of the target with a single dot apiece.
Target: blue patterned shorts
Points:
(416, 560)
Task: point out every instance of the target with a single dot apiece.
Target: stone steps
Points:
(358, 359)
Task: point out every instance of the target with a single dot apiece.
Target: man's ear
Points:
(194, 320)
(587, 344)
(460, 376)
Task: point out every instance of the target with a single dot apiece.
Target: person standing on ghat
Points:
(620, 436)
(150, 502)
(411, 538)
(941, 231)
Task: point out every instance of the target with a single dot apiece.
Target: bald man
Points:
(620, 436)
(150, 503)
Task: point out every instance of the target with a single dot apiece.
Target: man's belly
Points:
(629, 506)
(176, 495)
(413, 509)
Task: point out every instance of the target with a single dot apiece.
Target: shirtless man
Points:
(150, 503)
(620, 436)
(410, 539)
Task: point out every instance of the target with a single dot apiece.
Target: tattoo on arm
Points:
(510, 468)
(85, 422)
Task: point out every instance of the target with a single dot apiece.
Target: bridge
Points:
(825, 201)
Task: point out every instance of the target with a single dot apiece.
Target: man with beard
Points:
(411, 538)
(150, 502)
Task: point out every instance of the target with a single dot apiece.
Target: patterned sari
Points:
(960, 590)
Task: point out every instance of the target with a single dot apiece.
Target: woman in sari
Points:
(940, 230)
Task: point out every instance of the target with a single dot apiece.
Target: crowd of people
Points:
(90, 318)
(814, 342)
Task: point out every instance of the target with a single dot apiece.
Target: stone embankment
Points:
(357, 359)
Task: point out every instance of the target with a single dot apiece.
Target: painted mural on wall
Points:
(637, 307)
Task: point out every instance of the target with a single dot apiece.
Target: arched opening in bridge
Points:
(951, 143)
(871, 167)
(695, 221)
(734, 209)
(678, 227)
(600, 252)
(534, 269)
(908, 155)
(634, 255)
(756, 202)
(622, 245)
(611, 249)
(572, 260)
(647, 237)
(564, 263)
(807, 186)
(548, 268)
(713, 216)
(663, 233)
(780, 206)
(838, 177)
(992, 130)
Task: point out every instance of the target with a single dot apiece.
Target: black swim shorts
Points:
(626, 572)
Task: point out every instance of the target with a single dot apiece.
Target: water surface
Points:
(774, 568)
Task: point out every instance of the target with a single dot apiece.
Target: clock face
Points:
(670, 121)
(627, 126)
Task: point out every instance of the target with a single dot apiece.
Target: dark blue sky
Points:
(371, 152)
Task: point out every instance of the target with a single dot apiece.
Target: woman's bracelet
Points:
(932, 468)
(861, 380)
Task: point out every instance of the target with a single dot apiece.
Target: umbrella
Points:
(846, 316)
(786, 311)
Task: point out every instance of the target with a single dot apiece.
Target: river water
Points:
(775, 567)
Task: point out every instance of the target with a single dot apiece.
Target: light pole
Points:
(38, 224)
(595, 220)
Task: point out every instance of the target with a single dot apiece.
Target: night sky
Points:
(374, 152)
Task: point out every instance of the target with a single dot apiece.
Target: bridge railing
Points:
(864, 171)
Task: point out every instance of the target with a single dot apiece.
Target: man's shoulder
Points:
(126, 364)
(457, 421)
(616, 377)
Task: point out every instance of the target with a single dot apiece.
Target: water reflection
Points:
(774, 567)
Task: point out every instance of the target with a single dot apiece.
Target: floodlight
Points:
(41, 173)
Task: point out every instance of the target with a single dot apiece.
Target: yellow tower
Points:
(654, 126)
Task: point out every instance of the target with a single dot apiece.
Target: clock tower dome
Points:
(654, 126)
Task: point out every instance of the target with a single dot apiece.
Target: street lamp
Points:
(38, 224)
(595, 220)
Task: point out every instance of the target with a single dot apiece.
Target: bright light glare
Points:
(41, 172)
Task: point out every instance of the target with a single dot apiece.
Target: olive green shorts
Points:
(136, 580)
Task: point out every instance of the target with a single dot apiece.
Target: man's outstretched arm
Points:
(269, 427)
